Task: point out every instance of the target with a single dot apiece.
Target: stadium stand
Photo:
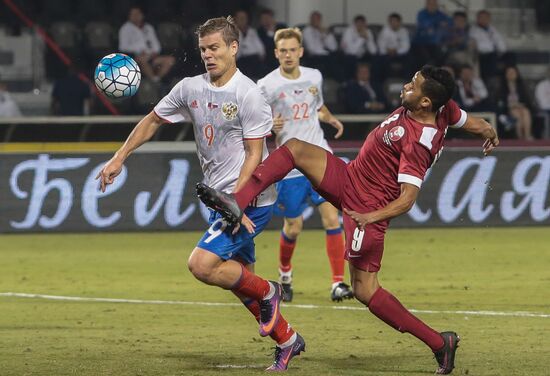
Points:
(85, 33)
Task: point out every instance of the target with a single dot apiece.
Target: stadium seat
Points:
(99, 41)
(93, 10)
(338, 30)
(392, 91)
(148, 95)
(375, 29)
(330, 91)
(99, 35)
(171, 36)
(67, 35)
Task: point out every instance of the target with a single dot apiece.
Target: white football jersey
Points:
(222, 117)
(298, 102)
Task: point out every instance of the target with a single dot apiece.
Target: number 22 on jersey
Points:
(301, 111)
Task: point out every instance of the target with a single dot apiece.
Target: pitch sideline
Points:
(299, 306)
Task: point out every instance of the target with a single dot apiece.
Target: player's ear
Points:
(301, 53)
(276, 52)
(234, 47)
(426, 103)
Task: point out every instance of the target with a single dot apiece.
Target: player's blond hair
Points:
(224, 25)
(288, 33)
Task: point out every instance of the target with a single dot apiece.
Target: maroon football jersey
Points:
(400, 150)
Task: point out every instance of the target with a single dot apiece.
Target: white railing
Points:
(87, 121)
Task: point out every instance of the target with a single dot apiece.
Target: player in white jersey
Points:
(295, 94)
(231, 120)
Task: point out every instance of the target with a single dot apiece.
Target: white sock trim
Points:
(289, 342)
(271, 292)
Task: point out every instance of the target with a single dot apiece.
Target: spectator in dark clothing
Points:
(361, 96)
(70, 96)
(266, 31)
(473, 95)
(515, 106)
(460, 47)
(432, 27)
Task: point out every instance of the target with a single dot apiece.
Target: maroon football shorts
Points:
(364, 248)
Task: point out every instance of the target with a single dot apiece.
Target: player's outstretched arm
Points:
(400, 205)
(480, 127)
(141, 133)
(327, 117)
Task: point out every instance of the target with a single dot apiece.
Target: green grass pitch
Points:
(445, 270)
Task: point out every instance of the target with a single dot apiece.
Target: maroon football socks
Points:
(387, 308)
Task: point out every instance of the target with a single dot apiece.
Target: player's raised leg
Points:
(310, 159)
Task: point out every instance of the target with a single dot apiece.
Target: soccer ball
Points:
(117, 75)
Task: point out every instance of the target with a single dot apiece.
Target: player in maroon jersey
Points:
(381, 183)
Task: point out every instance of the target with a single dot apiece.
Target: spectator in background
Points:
(362, 96)
(542, 93)
(452, 72)
(266, 31)
(432, 27)
(70, 95)
(139, 39)
(320, 46)
(251, 54)
(8, 107)
(459, 45)
(393, 46)
(489, 44)
(515, 104)
(358, 41)
(473, 95)
(318, 41)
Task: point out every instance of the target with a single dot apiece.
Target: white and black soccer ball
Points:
(117, 75)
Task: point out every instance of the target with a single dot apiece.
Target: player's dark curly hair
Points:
(438, 85)
(225, 25)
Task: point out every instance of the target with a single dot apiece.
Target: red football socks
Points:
(387, 308)
(274, 168)
(251, 285)
(282, 331)
(335, 253)
(286, 250)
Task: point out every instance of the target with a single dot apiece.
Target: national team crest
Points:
(313, 90)
(229, 110)
(396, 133)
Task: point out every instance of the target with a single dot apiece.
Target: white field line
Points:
(299, 306)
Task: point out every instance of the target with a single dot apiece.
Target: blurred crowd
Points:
(364, 64)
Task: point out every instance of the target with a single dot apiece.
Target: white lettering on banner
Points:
(474, 196)
(170, 196)
(91, 195)
(534, 193)
(41, 187)
(416, 213)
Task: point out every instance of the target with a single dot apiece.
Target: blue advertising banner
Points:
(155, 191)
